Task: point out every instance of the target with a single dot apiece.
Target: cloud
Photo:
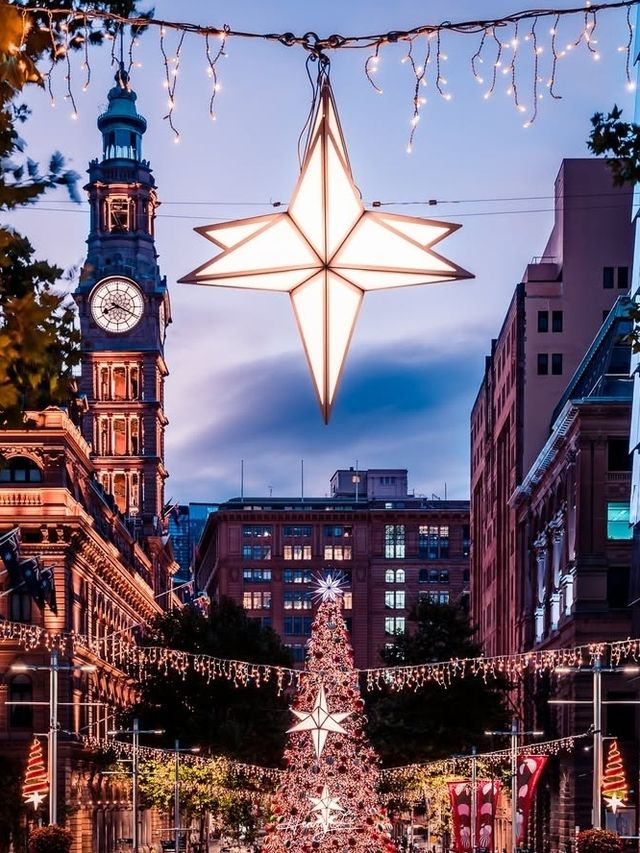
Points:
(399, 406)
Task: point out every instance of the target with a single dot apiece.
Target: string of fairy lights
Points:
(120, 652)
(526, 48)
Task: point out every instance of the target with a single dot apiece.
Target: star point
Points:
(326, 251)
(36, 799)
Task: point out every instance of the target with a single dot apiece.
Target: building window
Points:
(297, 552)
(256, 575)
(543, 321)
(299, 532)
(21, 690)
(623, 278)
(607, 277)
(297, 651)
(434, 597)
(466, 540)
(557, 321)
(297, 626)
(256, 600)
(618, 520)
(556, 364)
(297, 600)
(394, 541)
(337, 531)
(394, 576)
(20, 469)
(347, 600)
(119, 437)
(256, 552)
(619, 458)
(119, 214)
(394, 599)
(337, 552)
(120, 491)
(543, 364)
(297, 576)
(20, 606)
(257, 531)
(394, 625)
(433, 542)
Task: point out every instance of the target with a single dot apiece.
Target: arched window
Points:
(400, 577)
(423, 576)
(20, 690)
(20, 606)
(20, 469)
(389, 576)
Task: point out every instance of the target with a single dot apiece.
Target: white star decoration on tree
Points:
(330, 587)
(320, 721)
(35, 799)
(326, 805)
(614, 802)
(326, 251)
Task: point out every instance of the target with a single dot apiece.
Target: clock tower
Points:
(124, 309)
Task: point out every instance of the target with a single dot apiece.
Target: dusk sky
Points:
(239, 387)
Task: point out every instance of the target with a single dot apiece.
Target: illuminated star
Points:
(326, 251)
(36, 799)
(325, 806)
(320, 721)
(614, 802)
(329, 588)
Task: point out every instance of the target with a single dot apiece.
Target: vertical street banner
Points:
(487, 803)
(460, 796)
(530, 768)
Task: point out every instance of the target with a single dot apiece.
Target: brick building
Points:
(392, 548)
(551, 321)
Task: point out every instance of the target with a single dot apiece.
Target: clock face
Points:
(117, 304)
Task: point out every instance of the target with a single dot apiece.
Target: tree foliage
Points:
(434, 721)
(50, 839)
(247, 723)
(619, 141)
(39, 343)
(599, 841)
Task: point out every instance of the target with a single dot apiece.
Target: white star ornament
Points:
(320, 721)
(35, 799)
(325, 806)
(326, 251)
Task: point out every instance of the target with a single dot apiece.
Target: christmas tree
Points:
(614, 784)
(327, 800)
(36, 783)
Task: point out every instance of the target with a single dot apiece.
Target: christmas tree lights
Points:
(36, 783)
(614, 783)
(327, 798)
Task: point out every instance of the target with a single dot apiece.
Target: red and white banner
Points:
(529, 769)
(486, 803)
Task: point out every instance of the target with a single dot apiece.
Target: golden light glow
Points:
(326, 251)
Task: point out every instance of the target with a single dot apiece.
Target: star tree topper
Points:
(326, 251)
(320, 721)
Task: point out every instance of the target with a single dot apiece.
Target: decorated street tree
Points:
(327, 800)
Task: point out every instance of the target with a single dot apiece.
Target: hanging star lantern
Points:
(326, 251)
(329, 587)
(320, 721)
(326, 805)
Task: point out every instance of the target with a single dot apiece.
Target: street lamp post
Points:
(514, 733)
(176, 790)
(53, 668)
(596, 702)
(135, 733)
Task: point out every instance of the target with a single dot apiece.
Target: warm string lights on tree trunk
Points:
(525, 47)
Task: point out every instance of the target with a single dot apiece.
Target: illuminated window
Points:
(256, 600)
(394, 625)
(119, 383)
(347, 600)
(256, 552)
(618, 526)
(394, 599)
(256, 575)
(337, 552)
(297, 601)
(257, 531)
(297, 552)
(119, 437)
(394, 547)
(433, 541)
(296, 576)
(134, 425)
(337, 531)
(119, 214)
(120, 491)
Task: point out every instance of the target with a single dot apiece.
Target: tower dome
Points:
(121, 125)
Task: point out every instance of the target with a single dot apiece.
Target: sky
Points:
(239, 388)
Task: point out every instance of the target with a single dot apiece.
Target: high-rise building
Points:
(391, 550)
(551, 321)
